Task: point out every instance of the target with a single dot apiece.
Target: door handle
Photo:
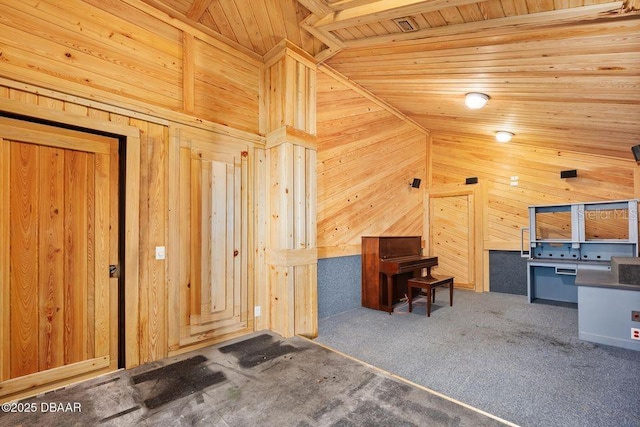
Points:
(114, 271)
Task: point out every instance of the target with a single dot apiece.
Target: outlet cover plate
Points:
(160, 252)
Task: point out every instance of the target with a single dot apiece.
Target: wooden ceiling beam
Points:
(348, 4)
(381, 10)
(511, 23)
(317, 7)
(334, 45)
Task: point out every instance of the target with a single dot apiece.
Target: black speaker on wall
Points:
(636, 152)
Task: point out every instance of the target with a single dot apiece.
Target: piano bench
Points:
(429, 285)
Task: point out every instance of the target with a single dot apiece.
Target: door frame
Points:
(475, 225)
(130, 135)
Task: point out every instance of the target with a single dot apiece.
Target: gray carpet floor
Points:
(521, 362)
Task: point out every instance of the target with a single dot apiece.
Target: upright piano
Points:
(388, 262)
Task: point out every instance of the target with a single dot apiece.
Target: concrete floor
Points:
(261, 380)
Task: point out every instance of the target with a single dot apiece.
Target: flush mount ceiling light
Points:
(503, 136)
(475, 100)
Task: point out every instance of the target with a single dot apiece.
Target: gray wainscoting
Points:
(339, 285)
(507, 272)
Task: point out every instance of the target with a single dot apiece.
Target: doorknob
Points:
(113, 271)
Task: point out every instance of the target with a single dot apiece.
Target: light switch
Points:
(160, 252)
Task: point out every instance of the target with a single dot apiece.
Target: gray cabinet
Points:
(563, 239)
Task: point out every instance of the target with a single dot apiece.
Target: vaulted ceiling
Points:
(563, 74)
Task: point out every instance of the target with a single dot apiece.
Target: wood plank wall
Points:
(288, 118)
(129, 56)
(134, 67)
(153, 213)
(368, 154)
(455, 157)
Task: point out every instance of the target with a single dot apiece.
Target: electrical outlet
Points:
(635, 334)
(257, 311)
(160, 252)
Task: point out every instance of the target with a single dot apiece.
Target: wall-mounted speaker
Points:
(636, 152)
(472, 180)
(415, 183)
(569, 174)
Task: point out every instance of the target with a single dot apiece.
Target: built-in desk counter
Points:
(606, 307)
(576, 239)
(554, 280)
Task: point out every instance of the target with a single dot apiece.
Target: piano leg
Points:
(388, 304)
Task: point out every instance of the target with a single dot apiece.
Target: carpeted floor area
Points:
(262, 380)
(519, 361)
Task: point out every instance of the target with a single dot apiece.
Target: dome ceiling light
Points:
(504, 136)
(476, 100)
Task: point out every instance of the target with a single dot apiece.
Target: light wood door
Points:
(452, 237)
(214, 295)
(58, 234)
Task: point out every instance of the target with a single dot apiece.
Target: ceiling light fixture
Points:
(475, 100)
(504, 136)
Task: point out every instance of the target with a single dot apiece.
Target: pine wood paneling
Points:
(290, 76)
(153, 214)
(57, 315)
(565, 87)
(90, 333)
(24, 276)
(367, 156)
(149, 291)
(115, 52)
(82, 44)
(538, 170)
(451, 236)
(76, 244)
(103, 318)
(288, 118)
(253, 25)
(51, 263)
(226, 87)
(213, 292)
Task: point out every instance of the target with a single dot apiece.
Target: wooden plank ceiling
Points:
(563, 74)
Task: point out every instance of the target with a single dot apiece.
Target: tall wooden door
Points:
(214, 297)
(58, 236)
(452, 237)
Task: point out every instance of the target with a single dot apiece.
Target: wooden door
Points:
(58, 234)
(452, 237)
(214, 295)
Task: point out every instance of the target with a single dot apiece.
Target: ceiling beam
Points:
(334, 44)
(348, 4)
(383, 10)
(317, 7)
(511, 23)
